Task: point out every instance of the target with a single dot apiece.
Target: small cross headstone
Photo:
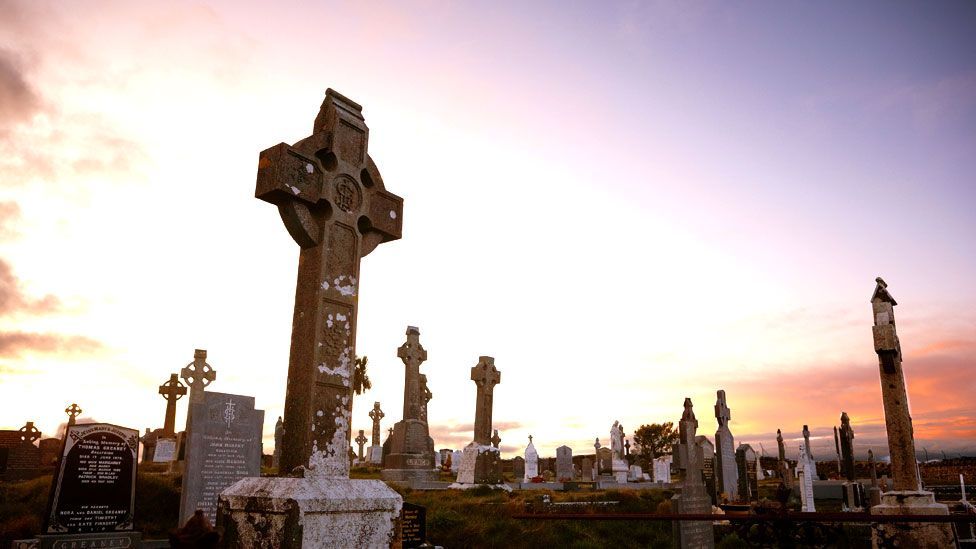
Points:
(172, 391)
(73, 412)
(531, 462)
(726, 470)
(361, 441)
(495, 439)
(485, 376)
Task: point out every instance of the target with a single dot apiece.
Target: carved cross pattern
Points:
(361, 440)
(722, 412)
(376, 414)
(29, 433)
(73, 411)
(198, 374)
(485, 376)
(627, 447)
(495, 439)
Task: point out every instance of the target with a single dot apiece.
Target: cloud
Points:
(19, 102)
(15, 344)
(9, 216)
(13, 300)
(458, 435)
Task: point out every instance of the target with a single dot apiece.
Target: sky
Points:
(624, 203)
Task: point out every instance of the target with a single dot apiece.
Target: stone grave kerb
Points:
(333, 203)
(198, 375)
(172, 390)
(485, 376)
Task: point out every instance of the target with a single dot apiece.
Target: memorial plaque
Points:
(165, 450)
(413, 527)
(94, 487)
(225, 446)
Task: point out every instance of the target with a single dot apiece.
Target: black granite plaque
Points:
(413, 526)
(94, 487)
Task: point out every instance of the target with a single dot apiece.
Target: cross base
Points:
(911, 534)
(308, 512)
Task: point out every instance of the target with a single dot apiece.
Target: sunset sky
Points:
(625, 204)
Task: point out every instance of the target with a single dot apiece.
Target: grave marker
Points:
(564, 463)
(411, 456)
(693, 498)
(726, 470)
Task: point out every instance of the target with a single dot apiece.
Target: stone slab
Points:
(114, 540)
(165, 450)
(922, 535)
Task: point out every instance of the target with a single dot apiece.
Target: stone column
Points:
(907, 497)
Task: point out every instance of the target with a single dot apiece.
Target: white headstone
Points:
(455, 461)
(805, 474)
(662, 469)
(531, 461)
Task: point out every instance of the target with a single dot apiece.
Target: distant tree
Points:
(654, 440)
(360, 381)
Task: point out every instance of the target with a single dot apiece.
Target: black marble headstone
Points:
(413, 526)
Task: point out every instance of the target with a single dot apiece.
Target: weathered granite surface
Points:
(693, 498)
(411, 454)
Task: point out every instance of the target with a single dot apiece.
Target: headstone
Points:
(278, 434)
(413, 526)
(361, 441)
(172, 391)
(224, 447)
(745, 459)
(92, 501)
(635, 474)
(811, 471)
(564, 463)
(531, 462)
(874, 492)
(20, 458)
(165, 450)
(375, 449)
(693, 498)
(518, 468)
(455, 460)
(783, 466)
(853, 492)
(662, 469)
(481, 463)
(332, 200)
(586, 470)
(805, 470)
(604, 461)
(708, 466)
(411, 456)
(618, 459)
(726, 471)
(907, 497)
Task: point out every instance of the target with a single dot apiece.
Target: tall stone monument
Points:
(278, 434)
(693, 497)
(783, 466)
(853, 492)
(333, 203)
(619, 465)
(726, 471)
(805, 479)
(481, 462)
(172, 391)
(375, 448)
(531, 462)
(361, 441)
(812, 470)
(907, 496)
(411, 457)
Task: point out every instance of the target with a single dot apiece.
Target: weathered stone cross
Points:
(485, 376)
(847, 447)
(197, 375)
(722, 412)
(376, 414)
(333, 203)
(29, 433)
(806, 441)
(361, 440)
(73, 411)
(172, 391)
(413, 354)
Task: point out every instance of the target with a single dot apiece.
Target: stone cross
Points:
(694, 498)
(847, 446)
(806, 442)
(837, 450)
(485, 376)
(73, 412)
(361, 440)
(172, 391)
(197, 375)
(413, 354)
(376, 414)
(627, 447)
(333, 203)
(874, 470)
(894, 393)
(29, 433)
(780, 445)
(722, 412)
(495, 439)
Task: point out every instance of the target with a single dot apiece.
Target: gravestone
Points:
(376, 449)
(635, 474)
(165, 450)
(455, 460)
(481, 462)
(812, 471)
(840, 466)
(73, 411)
(586, 470)
(874, 492)
(92, 501)
(662, 469)
(604, 461)
(693, 497)
(224, 447)
(531, 462)
(907, 497)
(411, 456)
(805, 471)
(20, 458)
(361, 441)
(708, 466)
(853, 491)
(783, 466)
(333, 203)
(518, 468)
(564, 463)
(726, 470)
(618, 461)
(172, 391)
(413, 526)
(278, 433)
(746, 463)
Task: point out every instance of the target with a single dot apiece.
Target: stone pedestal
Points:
(853, 496)
(375, 454)
(919, 535)
(106, 539)
(479, 465)
(620, 470)
(308, 512)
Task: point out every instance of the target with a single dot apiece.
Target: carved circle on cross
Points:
(198, 374)
(73, 410)
(347, 195)
(29, 433)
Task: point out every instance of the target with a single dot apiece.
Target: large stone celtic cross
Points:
(172, 391)
(332, 201)
(485, 376)
(197, 375)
